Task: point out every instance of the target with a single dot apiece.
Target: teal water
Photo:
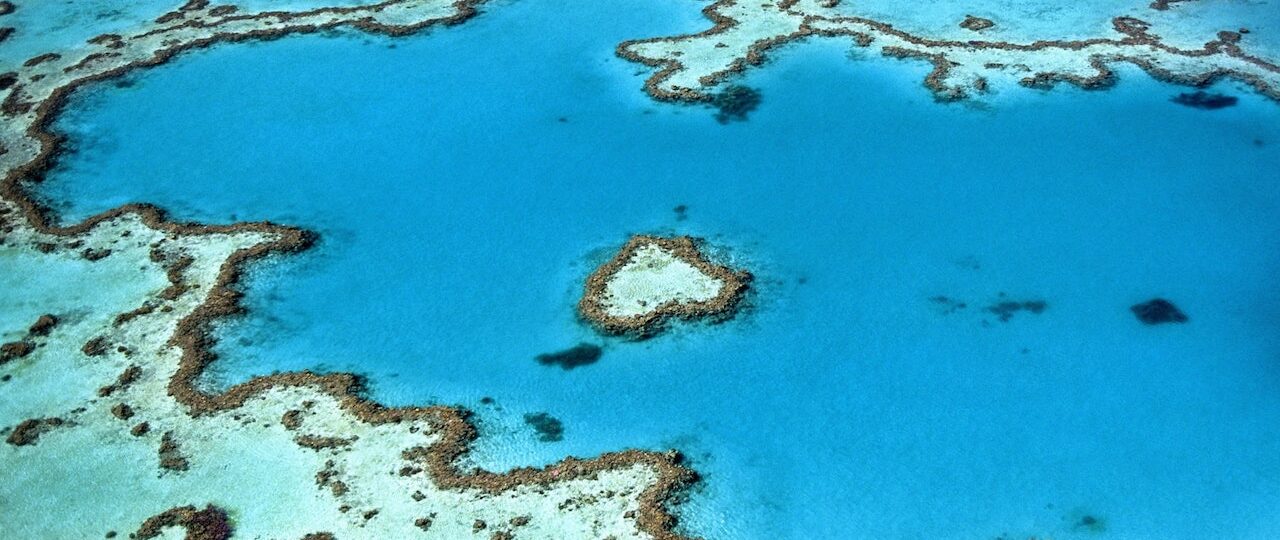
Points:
(464, 182)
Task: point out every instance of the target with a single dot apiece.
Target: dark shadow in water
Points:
(580, 355)
(734, 103)
(549, 428)
(1158, 311)
(1204, 100)
(681, 212)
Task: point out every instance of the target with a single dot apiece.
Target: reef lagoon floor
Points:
(938, 341)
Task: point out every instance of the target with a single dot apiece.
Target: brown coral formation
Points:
(21, 348)
(977, 24)
(171, 457)
(96, 346)
(321, 443)
(591, 306)
(1135, 47)
(122, 411)
(15, 350)
(291, 420)
(43, 325)
(110, 41)
(40, 59)
(1162, 5)
(145, 309)
(208, 524)
(28, 431)
(126, 378)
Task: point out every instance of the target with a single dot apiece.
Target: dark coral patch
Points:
(171, 457)
(15, 350)
(549, 428)
(43, 325)
(734, 103)
(947, 305)
(582, 354)
(1005, 310)
(26, 432)
(1204, 100)
(1158, 311)
(1090, 523)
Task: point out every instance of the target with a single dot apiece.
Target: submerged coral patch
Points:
(1006, 309)
(549, 428)
(734, 103)
(1158, 311)
(579, 355)
(1205, 100)
(1090, 523)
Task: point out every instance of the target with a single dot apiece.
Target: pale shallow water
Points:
(45, 26)
(1184, 24)
(466, 181)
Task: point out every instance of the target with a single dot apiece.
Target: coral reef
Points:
(145, 363)
(654, 279)
(208, 524)
(692, 67)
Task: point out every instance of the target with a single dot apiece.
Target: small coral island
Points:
(653, 279)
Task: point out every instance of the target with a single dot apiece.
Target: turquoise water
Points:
(464, 182)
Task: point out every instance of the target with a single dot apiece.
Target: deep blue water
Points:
(465, 181)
